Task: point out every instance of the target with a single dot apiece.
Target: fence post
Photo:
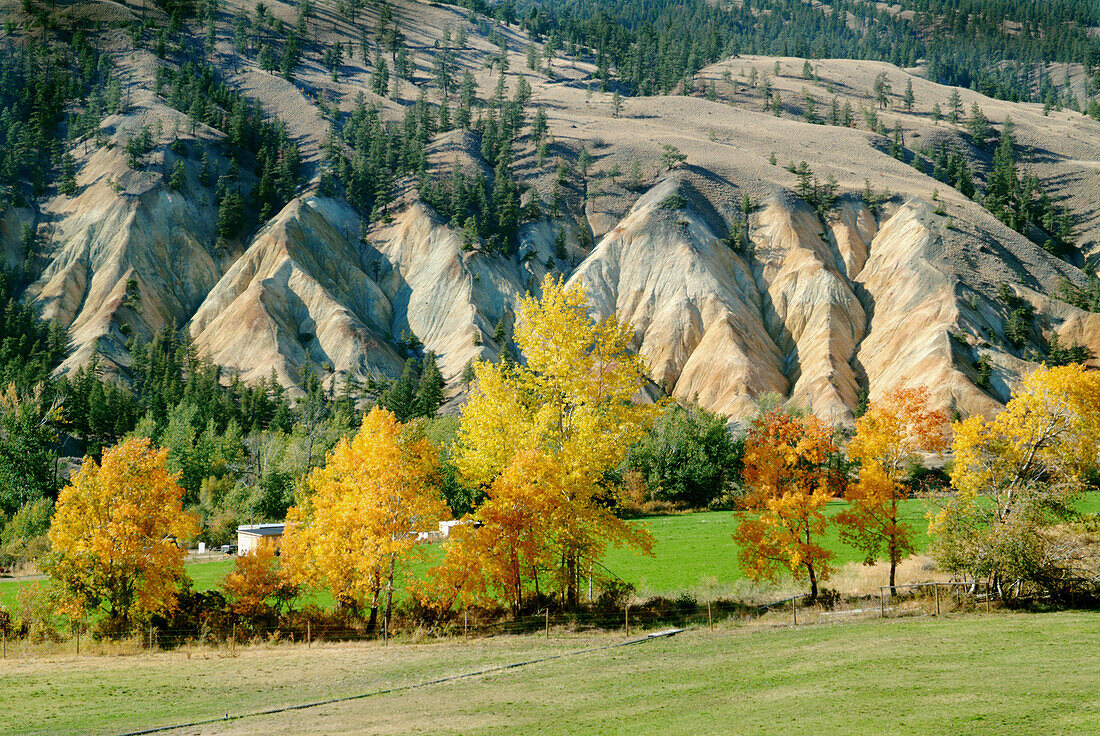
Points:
(309, 634)
(628, 619)
(548, 622)
(794, 610)
(465, 625)
(78, 640)
(937, 587)
(881, 604)
(710, 618)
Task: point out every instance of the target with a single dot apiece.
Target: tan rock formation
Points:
(298, 299)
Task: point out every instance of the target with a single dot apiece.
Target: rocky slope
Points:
(727, 306)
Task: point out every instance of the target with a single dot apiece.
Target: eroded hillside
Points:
(686, 214)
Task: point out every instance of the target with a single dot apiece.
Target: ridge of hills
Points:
(742, 271)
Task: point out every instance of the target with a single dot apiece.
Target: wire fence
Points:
(917, 599)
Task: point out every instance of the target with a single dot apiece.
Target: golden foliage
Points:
(544, 435)
(374, 493)
(114, 534)
(1017, 474)
(789, 481)
(888, 439)
(256, 582)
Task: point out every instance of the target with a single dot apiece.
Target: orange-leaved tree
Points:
(256, 587)
(514, 545)
(542, 437)
(114, 535)
(789, 476)
(888, 440)
(367, 504)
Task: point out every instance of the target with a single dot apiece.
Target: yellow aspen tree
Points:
(571, 403)
(513, 544)
(115, 532)
(366, 505)
(1018, 475)
(788, 482)
(888, 440)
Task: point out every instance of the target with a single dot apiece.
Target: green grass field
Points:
(1002, 674)
(693, 553)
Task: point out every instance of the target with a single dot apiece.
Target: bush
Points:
(23, 538)
(673, 202)
(688, 459)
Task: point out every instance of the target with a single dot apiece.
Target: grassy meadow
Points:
(693, 553)
(1001, 674)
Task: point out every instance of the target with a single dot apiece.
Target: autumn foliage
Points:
(788, 480)
(1017, 475)
(114, 535)
(541, 438)
(256, 586)
(888, 440)
(359, 523)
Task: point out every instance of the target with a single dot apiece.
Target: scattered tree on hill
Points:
(882, 89)
(978, 126)
(888, 438)
(821, 195)
(955, 106)
(116, 536)
(671, 157)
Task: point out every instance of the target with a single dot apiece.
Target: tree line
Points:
(652, 46)
(549, 444)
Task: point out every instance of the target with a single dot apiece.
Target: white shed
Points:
(250, 536)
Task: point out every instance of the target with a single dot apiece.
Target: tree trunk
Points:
(571, 572)
(373, 620)
(893, 570)
(389, 594)
(813, 583)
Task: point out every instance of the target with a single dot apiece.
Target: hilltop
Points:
(753, 252)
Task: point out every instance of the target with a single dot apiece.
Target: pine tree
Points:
(429, 394)
(401, 398)
(380, 78)
(955, 105)
(882, 89)
(231, 214)
(908, 97)
(468, 374)
(978, 126)
(68, 175)
(178, 178)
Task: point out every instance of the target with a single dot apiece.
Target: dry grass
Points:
(952, 675)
